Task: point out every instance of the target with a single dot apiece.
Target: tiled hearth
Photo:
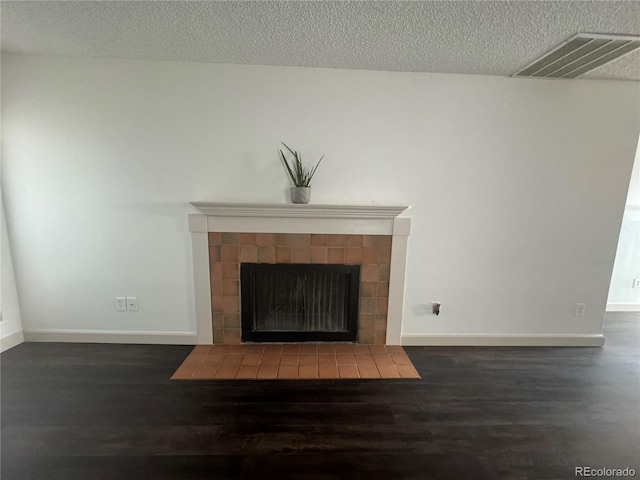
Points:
(295, 362)
(227, 250)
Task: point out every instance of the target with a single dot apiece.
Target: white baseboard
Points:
(502, 340)
(623, 307)
(11, 341)
(108, 336)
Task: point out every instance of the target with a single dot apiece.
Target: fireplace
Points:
(299, 302)
(372, 237)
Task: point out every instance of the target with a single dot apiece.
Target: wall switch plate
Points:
(580, 307)
(636, 283)
(132, 304)
(121, 304)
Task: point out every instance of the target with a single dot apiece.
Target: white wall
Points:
(622, 295)
(11, 323)
(517, 186)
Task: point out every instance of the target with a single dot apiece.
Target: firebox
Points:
(299, 302)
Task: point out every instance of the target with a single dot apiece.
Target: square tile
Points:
(232, 321)
(265, 239)
(308, 348)
(380, 337)
(247, 371)
(301, 255)
(231, 336)
(232, 359)
(231, 304)
(283, 254)
(219, 349)
(365, 360)
(384, 272)
(335, 255)
(343, 348)
(370, 255)
(238, 349)
(319, 240)
(214, 253)
(230, 288)
(248, 253)
(400, 359)
(226, 372)
(270, 359)
(353, 255)
(326, 348)
(267, 371)
(388, 371)
(229, 238)
(308, 359)
(204, 349)
(382, 305)
(229, 271)
(318, 255)
(229, 253)
(308, 371)
(368, 371)
(361, 349)
(184, 372)
(345, 359)
(266, 255)
(370, 241)
(291, 348)
(327, 359)
(247, 239)
(216, 286)
(273, 348)
(214, 238)
(369, 289)
(407, 371)
(394, 349)
(214, 359)
(380, 349)
(336, 240)
(290, 359)
(251, 359)
(288, 371)
(206, 372)
(328, 371)
(353, 240)
(348, 371)
(369, 273)
(382, 359)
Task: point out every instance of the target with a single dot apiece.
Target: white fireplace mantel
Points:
(287, 218)
(300, 211)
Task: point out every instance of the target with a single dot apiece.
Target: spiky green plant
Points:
(300, 176)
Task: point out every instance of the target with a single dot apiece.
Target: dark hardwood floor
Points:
(80, 411)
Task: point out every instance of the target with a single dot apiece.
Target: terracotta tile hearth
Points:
(227, 250)
(295, 362)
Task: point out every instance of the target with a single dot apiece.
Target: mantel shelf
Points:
(299, 211)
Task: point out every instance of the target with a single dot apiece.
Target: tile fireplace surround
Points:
(225, 235)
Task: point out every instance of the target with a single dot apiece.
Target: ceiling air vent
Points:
(580, 54)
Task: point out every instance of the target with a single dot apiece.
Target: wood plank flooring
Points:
(88, 411)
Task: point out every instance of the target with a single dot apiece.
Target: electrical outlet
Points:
(580, 309)
(636, 283)
(121, 304)
(132, 304)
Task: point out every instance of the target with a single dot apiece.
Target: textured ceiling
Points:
(476, 37)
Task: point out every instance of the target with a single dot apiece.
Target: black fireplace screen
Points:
(298, 303)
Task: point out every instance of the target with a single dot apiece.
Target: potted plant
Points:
(300, 176)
